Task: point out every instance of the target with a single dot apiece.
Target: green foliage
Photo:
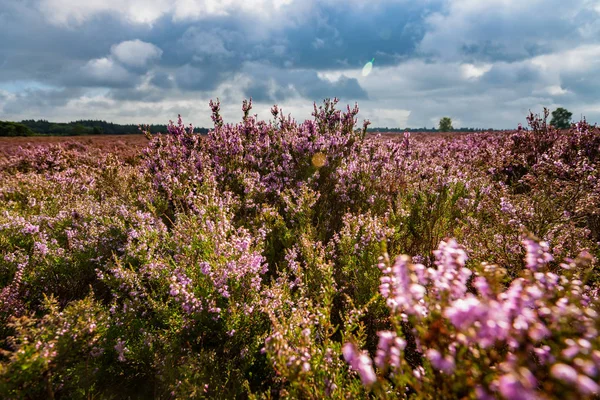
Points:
(445, 124)
(91, 127)
(561, 118)
(13, 129)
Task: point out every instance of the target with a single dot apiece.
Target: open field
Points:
(132, 144)
(116, 144)
(301, 261)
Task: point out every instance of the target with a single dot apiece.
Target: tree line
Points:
(76, 128)
(561, 118)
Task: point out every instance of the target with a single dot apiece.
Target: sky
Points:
(483, 63)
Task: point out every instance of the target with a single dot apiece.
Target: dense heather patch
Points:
(266, 261)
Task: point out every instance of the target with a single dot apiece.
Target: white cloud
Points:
(556, 90)
(580, 59)
(501, 28)
(270, 13)
(198, 9)
(76, 12)
(135, 53)
(470, 71)
(334, 76)
(390, 117)
(105, 71)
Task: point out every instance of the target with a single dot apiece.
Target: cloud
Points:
(507, 30)
(75, 12)
(275, 84)
(104, 72)
(33, 101)
(202, 42)
(482, 63)
(135, 53)
(191, 78)
(470, 71)
(162, 80)
(555, 90)
(388, 117)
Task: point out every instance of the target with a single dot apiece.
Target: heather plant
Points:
(538, 337)
(254, 263)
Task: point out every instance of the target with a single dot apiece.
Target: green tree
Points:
(79, 129)
(561, 118)
(14, 129)
(446, 124)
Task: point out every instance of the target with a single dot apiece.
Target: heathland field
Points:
(277, 259)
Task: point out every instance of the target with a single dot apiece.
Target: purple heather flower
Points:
(389, 349)
(359, 361)
(587, 386)
(443, 363)
(564, 373)
(537, 254)
(121, 350)
(512, 389)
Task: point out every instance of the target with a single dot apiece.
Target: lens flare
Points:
(319, 159)
(367, 68)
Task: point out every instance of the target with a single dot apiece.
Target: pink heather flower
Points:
(389, 349)
(445, 364)
(398, 288)
(482, 394)
(481, 284)
(512, 389)
(451, 276)
(564, 373)
(205, 267)
(464, 312)
(31, 229)
(537, 254)
(42, 248)
(586, 385)
(121, 349)
(543, 354)
(359, 361)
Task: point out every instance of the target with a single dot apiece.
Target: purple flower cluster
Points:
(525, 318)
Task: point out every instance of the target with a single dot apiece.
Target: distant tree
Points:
(14, 129)
(561, 118)
(446, 124)
(78, 129)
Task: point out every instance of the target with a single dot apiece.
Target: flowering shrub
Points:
(254, 263)
(537, 337)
